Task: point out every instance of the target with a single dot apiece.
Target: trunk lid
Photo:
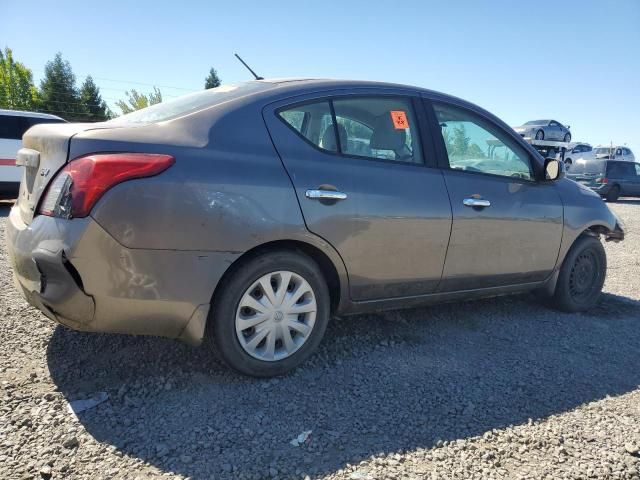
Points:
(45, 151)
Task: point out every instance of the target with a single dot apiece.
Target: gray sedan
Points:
(545, 130)
(253, 214)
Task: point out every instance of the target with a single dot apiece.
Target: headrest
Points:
(329, 138)
(385, 136)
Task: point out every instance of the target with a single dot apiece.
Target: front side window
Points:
(637, 166)
(476, 145)
(382, 128)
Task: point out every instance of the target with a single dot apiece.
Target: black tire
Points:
(613, 194)
(581, 276)
(540, 135)
(567, 137)
(225, 340)
(568, 162)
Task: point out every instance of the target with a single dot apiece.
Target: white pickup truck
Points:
(13, 124)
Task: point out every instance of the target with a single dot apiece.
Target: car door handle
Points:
(476, 202)
(325, 195)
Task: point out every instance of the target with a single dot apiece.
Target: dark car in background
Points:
(261, 210)
(609, 178)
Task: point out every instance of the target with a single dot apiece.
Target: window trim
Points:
(443, 157)
(415, 103)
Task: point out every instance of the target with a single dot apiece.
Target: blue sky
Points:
(577, 61)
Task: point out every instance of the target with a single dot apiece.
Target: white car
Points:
(13, 124)
(620, 153)
(578, 151)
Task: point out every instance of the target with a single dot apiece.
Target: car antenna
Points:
(258, 77)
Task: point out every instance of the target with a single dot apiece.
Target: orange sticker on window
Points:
(399, 119)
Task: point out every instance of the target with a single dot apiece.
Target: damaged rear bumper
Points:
(80, 276)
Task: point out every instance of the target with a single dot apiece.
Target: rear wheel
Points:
(271, 314)
(567, 137)
(540, 135)
(581, 276)
(613, 194)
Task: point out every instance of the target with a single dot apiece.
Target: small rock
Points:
(45, 472)
(632, 449)
(70, 441)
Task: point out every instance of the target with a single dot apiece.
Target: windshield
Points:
(603, 150)
(537, 122)
(190, 103)
(582, 167)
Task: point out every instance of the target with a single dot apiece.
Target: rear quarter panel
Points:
(227, 190)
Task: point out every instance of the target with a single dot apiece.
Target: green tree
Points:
(94, 108)
(212, 80)
(460, 141)
(475, 151)
(17, 91)
(58, 92)
(136, 101)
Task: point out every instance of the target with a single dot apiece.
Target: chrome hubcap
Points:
(275, 316)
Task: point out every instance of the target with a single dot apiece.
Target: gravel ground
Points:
(500, 388)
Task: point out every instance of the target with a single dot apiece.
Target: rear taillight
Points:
(602, 180)
(80, 184)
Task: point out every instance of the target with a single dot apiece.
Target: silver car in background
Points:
(545, 130)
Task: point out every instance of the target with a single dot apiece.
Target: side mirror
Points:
(568, 127)
(553, 169)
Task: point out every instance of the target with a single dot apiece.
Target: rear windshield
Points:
(581, 167)
(537, 122)
(190, 103)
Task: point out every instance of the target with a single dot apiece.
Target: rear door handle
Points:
(325, 195)
(476, 202)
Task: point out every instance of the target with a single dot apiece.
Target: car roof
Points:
(23, 113)
(308, 85)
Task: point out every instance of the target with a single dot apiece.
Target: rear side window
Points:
(378, 127)
(12, 127)
(383, 128)
(313, 122)
(620, 170)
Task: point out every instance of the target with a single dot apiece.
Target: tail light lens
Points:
(602, 180)
(80, 184)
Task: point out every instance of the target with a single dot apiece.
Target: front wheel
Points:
(540, 135)
(271, 314)
(581, 276)
(567, 137)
